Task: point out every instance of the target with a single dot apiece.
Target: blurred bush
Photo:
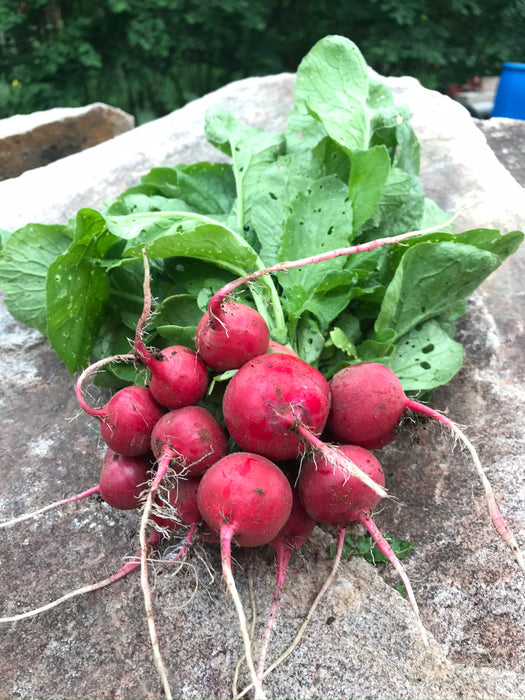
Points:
(151, 56)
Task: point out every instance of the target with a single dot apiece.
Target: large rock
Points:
(30, 141)
(362, 641)
(507, 138)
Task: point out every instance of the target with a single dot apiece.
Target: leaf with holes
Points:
(426, 357)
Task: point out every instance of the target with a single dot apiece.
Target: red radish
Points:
(180, 508)
(247, 494)
(332, 497)
(367, 404)
(229, 334)
(178, 377)
(123, 479)
(246, 497)
(267, 397)
(277, 347)
(275, 403)
(294, 533)
(189, 440)
(127, 419)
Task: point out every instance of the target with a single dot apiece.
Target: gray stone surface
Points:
(362, 642)
(30, 141)
(506, 137)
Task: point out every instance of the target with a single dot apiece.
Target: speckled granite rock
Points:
(362, 642)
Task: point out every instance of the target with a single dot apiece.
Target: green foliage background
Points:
(152, 56)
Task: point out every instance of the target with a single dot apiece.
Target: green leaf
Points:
(364, 546)
(368, 174)
(430, 279)
(24, 263)
(77, 289)
(309, 340)
(184, 235)
(425, 357)
(176, 319)
(251, 150)
(332, 85)
(320, 220)
(342, 342)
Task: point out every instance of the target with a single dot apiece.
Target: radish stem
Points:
(219, 296)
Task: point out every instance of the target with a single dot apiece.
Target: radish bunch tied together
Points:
(258, 472)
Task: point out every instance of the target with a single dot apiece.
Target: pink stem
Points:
(495, 514)
(97, 412)
(140, 349)
(283, 554)
(389, 553)
(218, 297)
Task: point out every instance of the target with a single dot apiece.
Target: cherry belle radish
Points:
(245, 497)
(229, 334)
(367, 404)
(275, 404)
(123, 479)
(127, 420)
(188, 439)
(331, 497)
(177, 376)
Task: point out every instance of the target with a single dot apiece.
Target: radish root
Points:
(389, 553)
(495, 515)
(227, 532)
(126, 569)
(326, 585)
(20, 518)
(144, 582)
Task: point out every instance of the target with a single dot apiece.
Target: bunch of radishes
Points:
(288, 450)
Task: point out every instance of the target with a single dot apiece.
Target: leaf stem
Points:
(219, 296)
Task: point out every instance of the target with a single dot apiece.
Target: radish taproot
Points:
(179, 507)
(247, 498)
(368, 402)
(331, 497)
(294, 533)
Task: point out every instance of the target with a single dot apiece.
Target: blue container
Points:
(510, 97)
